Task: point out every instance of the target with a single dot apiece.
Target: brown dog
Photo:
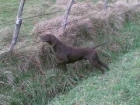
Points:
(67, 54)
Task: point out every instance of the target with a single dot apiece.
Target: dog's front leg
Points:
(61, 64)
(63, 60)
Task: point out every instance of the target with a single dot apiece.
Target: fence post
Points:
(105, 5)
(64, 23)
(18, 25)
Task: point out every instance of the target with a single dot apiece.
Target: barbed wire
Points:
(44, 14)
(12, 21)
(9, 4)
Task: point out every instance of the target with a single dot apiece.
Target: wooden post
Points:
(18, 25)
(105, 6)
(64, 23)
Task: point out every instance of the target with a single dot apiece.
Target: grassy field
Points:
(119, 86)
(81, 84)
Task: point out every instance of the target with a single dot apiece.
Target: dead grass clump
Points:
(115, 47)
(37, 59)
(78, 33)
(47, 26)
(51, 26)
(132, 14)
(115, 23)
(30, 59)
(99, 6)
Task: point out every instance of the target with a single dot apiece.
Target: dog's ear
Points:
(53, 39)
(42, 38)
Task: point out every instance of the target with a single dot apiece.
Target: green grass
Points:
(119, 86)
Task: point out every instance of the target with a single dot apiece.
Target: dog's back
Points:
(68, 54)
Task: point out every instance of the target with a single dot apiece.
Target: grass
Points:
(80, 84)
(119, 86)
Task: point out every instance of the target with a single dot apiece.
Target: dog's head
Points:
(49, 38)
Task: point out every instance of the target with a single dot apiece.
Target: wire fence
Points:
(10, 22)
(44, 14)
(73, 21)
(41, 15)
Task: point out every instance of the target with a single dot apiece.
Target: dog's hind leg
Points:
(103, 64)
(97, 65)
(62, 62)
(62, 66)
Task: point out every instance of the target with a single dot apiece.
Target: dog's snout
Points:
(42, 39)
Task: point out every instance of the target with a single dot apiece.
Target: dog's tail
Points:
(99, 45)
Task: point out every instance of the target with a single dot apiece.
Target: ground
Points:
(81, 84)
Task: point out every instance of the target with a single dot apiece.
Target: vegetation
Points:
(20, 80)
(119, 86)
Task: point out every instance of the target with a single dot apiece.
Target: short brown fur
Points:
(68, 54)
